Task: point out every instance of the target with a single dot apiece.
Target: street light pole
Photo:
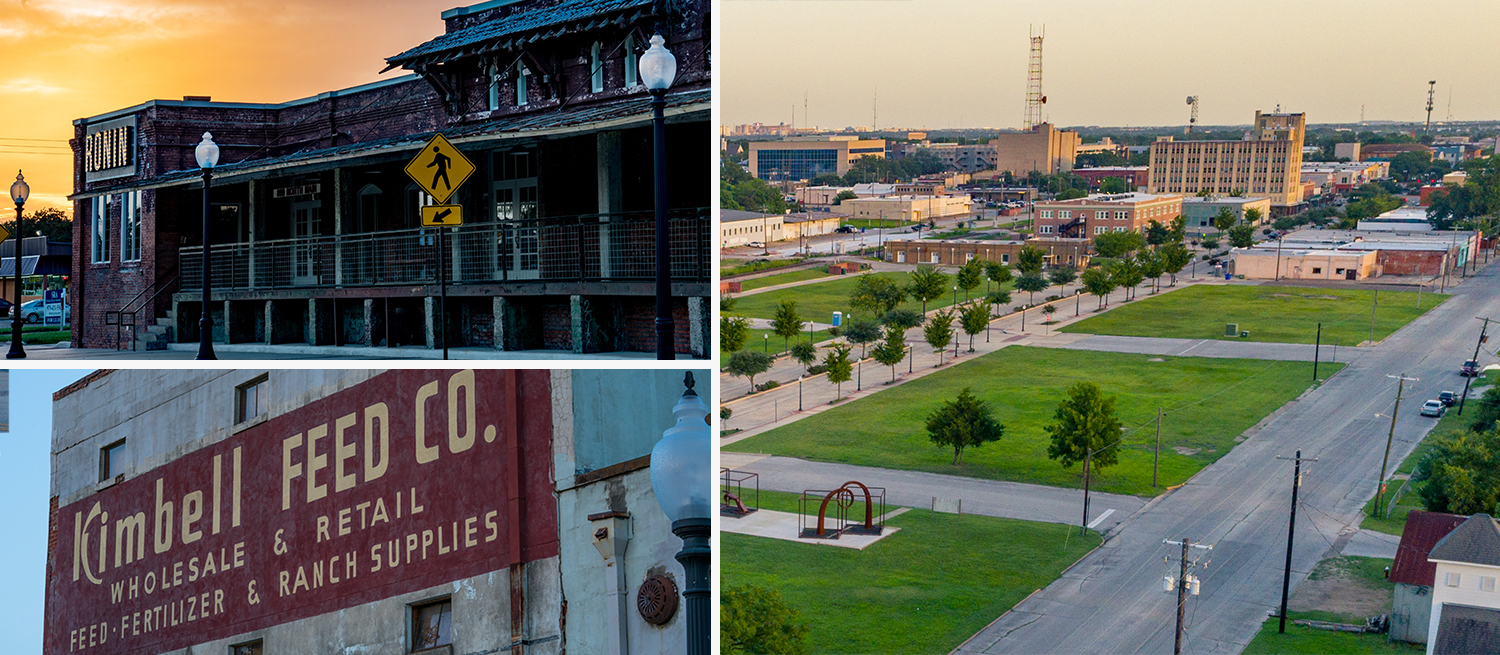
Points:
(658, 67)
(680, 481)
(207, 154)
(19, 192)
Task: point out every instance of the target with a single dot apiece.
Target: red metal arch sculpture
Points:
(869, 510)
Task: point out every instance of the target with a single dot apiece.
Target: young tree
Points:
(787, 323)
(997, 273)
(1223, 220)
(970, 275)
(927, 283)
(734, 331)
(861, 331)
(1118, 244)
(891, 351)
(1128, 275)
(875, 295)
(1062, 276)
(724, 413)
(756, 620)
(1242, 236)
(973, 320)
(1113, 185)
(1049, 310)
(840, 369)
(1157, 234)
(1253, 216)
(1030, 259)
(902, 319)
(1031, 283)
(1178, 230)
(1099, 282)
(997, 298)
(1174, 258)
(1153, 266)
(964, 422)
(939, 332)
(805, 353)
(1085, 420)
(748, 364)
(1210, 242)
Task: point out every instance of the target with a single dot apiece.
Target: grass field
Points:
(818, 302)
(1208, 402)
(740, 266)
(1367, 574)
(774, 346)
(1268, 313)
(924, 589)
(785, 278)
(873, 223)
(39, 334)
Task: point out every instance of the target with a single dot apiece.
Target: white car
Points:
(756, 244)
(1433, 408)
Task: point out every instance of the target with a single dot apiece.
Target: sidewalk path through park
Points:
(917, 490)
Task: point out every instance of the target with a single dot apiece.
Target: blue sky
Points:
(25, 483)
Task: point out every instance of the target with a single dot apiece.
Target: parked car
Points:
(756, 244)
(1433, 408)
(1469, 369)
(1447, 398)
(33, 311)
(845, 229)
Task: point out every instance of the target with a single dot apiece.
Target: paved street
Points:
(1030, 502)
(1112, 601)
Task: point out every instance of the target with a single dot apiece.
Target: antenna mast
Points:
(1430, 86)
(1034, 97)
(1193, 102)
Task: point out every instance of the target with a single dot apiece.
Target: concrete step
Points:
(158, 329)
(142, 345)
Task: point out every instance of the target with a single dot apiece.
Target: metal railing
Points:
(125, 316)
(592, 247)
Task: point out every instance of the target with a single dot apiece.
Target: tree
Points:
(1118, 244)
(757, 621)
(891, 351)
(1049, 310)
(1461, 473)
(902, 319)
(1253, 216)
(969, 276)
(840, 369)
(1099, 282)
(748, 364)
(1223, 220)
(1085, 420)
(927, 283)
(805, 353)
(1157, 233)
(1114, 185)
(997, 272)
(997, 298)
(1070, 194)
(876, 295)
(1178, 229)
(734, 331)
(724, 413)
(1062, 276)
(1127, 274)
(1030, 259)
(964, 422)
(52, 222)
(1487, 412)
(1174, 258)
(1242, 236)
(787, 323)
(861, 331)
(939, 332)
(1210, 242)
(1152, 266)
(844, 195)
(1031, 283)
(973, 320)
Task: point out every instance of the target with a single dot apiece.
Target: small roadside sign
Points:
(4, 234)
(439, 168)
(442, 215)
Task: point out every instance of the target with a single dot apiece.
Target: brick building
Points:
(1266, 164)
(1135, 177)
(1060, 252)
(316, 230)
(1099, 213)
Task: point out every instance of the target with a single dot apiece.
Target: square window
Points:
(1317, 271)
(1486, 583)
(1004, 259)
(935, 258)
(432, 625)
(112, 460)
(1451, 579)
(256, 647)
(252, 399)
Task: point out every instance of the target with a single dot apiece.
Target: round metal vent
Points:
(657, 599)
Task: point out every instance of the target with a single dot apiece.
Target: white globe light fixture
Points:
(207, 152)
(19, 192)
(658, 66)
(681, 478)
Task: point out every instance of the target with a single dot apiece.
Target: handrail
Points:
(170, 277)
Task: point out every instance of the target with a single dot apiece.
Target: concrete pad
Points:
(1367, 543)
(739, 460)
(772, 524)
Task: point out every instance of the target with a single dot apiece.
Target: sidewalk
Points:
(188, 351)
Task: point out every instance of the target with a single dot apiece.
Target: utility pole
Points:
(1185, 584)
(1467, 380)
(1291, 528)
(1317, 345)
(1088, 458)
(1400, 384)
(1156, 460)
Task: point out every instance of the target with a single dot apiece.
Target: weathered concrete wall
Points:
(619, 415)
(1411, 609)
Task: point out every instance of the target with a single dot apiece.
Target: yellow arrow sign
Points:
(442, 215)
(439, 168)
(4, 234)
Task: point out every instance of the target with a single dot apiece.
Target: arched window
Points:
(492, 72)
(596, 70)
(521, 74)
(630, 62)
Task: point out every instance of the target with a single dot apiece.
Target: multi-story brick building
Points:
(315, 227)
(1099, 213)
(1268, 164)
(957, 252)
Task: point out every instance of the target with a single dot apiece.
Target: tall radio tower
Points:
(1034, 97)
(1430, 87)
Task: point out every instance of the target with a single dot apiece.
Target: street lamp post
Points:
(207, 154)
(657, 69)
(19, 192)
(680, 480)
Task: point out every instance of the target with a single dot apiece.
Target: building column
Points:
(369, 333)
(501, 310)
(429, 320)
(699, 327)
(575, 304)
(270, 322)
(228, 325)
(611, 188)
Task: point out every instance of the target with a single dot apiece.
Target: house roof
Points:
(1476, 541)
(1423, 531)
(1465, 629)
(522, 28)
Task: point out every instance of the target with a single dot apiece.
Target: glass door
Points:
(520, 236)
(306, 227)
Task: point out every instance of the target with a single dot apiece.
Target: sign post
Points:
(439, 168)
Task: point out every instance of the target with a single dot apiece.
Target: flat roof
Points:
(246, 105)
(1112, 198)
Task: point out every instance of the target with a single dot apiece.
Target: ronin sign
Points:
(410, 480)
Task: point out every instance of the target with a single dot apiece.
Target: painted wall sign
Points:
(409, 480)
(109, 149)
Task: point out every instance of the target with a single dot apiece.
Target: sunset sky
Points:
(70, 59)
(962, 63)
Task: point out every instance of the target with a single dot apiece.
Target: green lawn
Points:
(1367, 571)
(1208, 401)
(1268, 313)
(739, 266)
(774, 346)
(784, 278)
(38, 334)
(873, 223)
(818, 302)
(925, 589)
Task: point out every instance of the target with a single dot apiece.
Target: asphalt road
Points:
(1112, 601)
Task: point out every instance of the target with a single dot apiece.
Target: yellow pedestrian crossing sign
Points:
(439, 168)
(442, 215)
